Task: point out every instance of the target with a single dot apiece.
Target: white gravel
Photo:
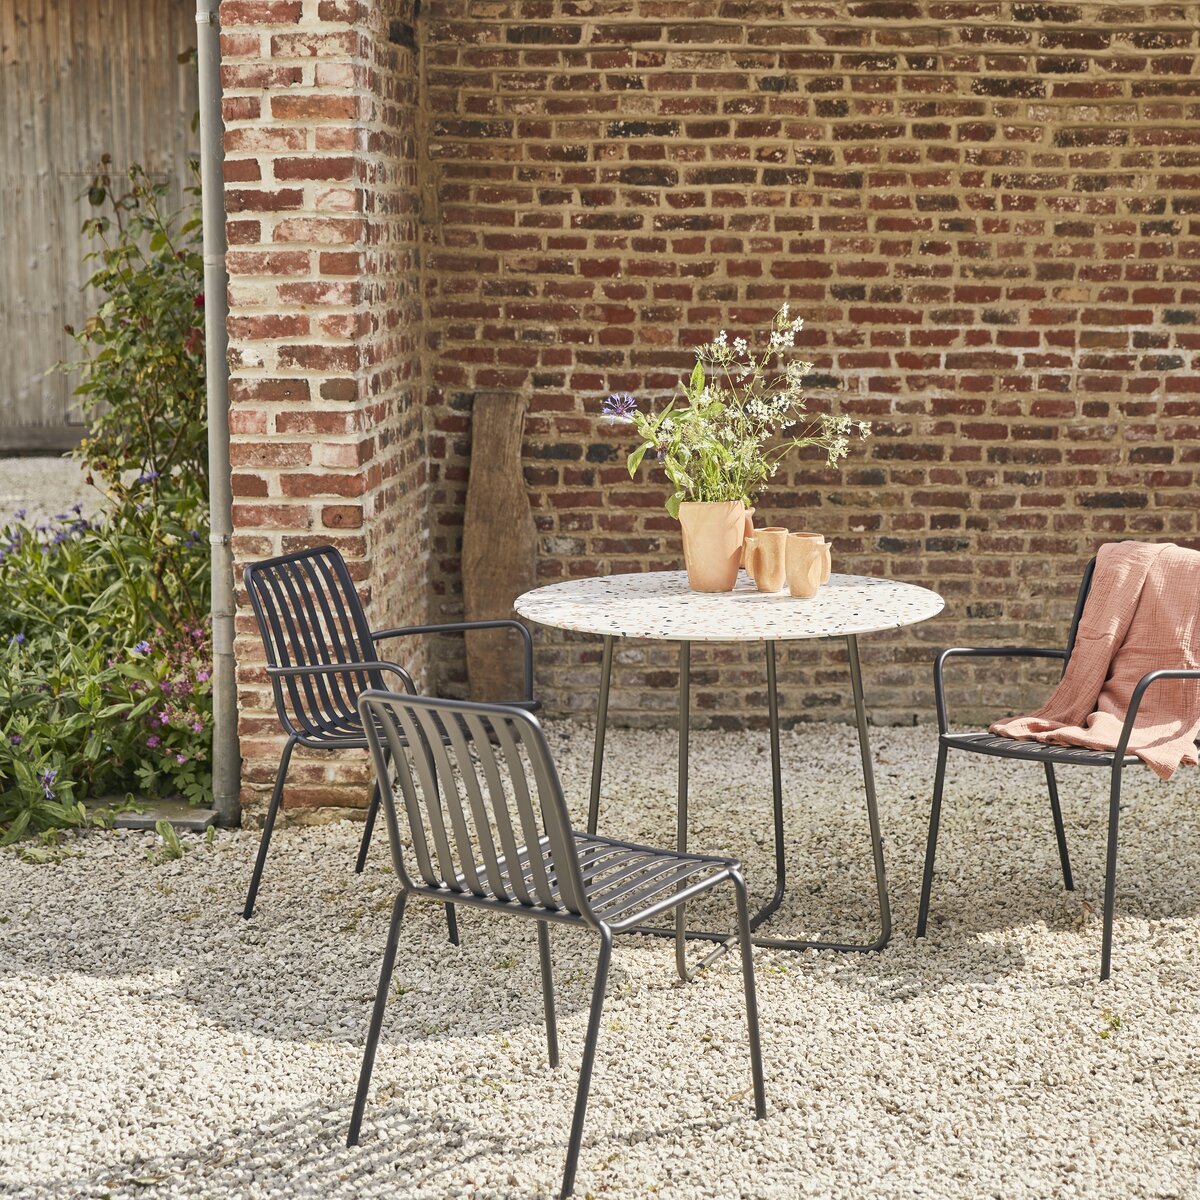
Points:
(152, 1043)
(43, 486)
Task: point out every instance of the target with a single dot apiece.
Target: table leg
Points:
(681, 803)
(601, 729)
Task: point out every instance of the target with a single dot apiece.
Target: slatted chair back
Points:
(309, 615)
(1085, 588)
(483, 809)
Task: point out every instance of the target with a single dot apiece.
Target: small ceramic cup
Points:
(805, 564)
(820, 538)
(766, 558)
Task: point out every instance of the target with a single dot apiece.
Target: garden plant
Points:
(104, 639)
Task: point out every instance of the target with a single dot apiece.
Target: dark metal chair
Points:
(486, 824)
(320, 658)
(1048, 755)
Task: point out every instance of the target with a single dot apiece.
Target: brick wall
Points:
(322, 135)
(988, 213)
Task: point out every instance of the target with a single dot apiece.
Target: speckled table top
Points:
(659, 605)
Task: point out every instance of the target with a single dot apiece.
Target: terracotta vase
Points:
(712, 543)
(766, 558)
(805, 564)
(749, 532)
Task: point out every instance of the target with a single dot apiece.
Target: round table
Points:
(660, 606)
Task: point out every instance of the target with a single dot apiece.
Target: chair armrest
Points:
(939, 692)
(344, 669)
(1135, 702)
(466, 626)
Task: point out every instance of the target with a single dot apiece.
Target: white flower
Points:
(739, 344)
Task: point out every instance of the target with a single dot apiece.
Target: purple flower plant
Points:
(154, 741)
(15, 738)
(142, 647)
(620, 406)
(46, 779)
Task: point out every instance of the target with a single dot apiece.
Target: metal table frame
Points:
(725, 941)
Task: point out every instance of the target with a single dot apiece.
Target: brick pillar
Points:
(320, 104)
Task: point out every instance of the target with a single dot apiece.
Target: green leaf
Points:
(635, 459)
(696, 384)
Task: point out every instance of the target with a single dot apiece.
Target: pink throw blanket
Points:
(1142, 614)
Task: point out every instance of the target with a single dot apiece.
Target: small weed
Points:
(1112, 1023)
(508, 963)
(210, 836)
(50, 851)
(172, 848)
(401, 989)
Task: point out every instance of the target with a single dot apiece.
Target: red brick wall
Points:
(326, 391)
(988, 213)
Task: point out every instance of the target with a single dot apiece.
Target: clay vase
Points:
(749, 532)
(713, 533)
(805, 564)
(820, 538)
(766, 558)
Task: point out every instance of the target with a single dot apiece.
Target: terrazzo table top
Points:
(660, 605)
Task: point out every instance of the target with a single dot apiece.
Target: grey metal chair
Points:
(485, 824)
(321, 656)
(1049, 755)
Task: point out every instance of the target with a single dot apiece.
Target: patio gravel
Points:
(154, 1044)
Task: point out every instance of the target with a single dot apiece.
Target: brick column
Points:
(327, 442)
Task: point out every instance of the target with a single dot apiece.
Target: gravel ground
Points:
(43, 486)
(152, 1043)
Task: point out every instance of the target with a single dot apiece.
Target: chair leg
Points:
(589, 1055)
(385, 979)
(1110, 873)
(268, 825)
(1063, 857)
(368, 827)
(548, 991)
(935, 816)
(756, 1071)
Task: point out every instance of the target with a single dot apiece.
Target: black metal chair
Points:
(1049, 755)
(320, 658)
(486, 825)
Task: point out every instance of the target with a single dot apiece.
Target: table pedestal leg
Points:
(681, 803)
(601, 727)
(680, 933)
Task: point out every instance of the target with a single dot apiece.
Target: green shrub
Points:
(104, 642)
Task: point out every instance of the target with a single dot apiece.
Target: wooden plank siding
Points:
(78, 78)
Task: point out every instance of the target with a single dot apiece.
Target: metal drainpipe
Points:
(226, 757)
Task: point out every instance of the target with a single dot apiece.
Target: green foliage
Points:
(104, 644)
(737, 416)
(172, 847)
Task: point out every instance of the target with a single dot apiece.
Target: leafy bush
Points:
(104, 643)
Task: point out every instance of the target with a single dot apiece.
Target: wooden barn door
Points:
(78, 79)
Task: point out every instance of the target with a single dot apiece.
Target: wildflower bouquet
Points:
(737, 416)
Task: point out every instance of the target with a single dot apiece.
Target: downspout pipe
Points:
(226, 755)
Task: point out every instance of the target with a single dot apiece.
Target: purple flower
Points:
(19, 514)
(46, 779)
(154, 741)
(77, 507)
(17, 639)
(142, 648)
(165, 687)
(202, 676)
(197, 726)
(181, 759)
(164, 716)
(147, 476)
(620, 406)
(15, 738)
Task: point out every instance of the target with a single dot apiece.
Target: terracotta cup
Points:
(805, 564)
(820, 537)
(766, 558)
